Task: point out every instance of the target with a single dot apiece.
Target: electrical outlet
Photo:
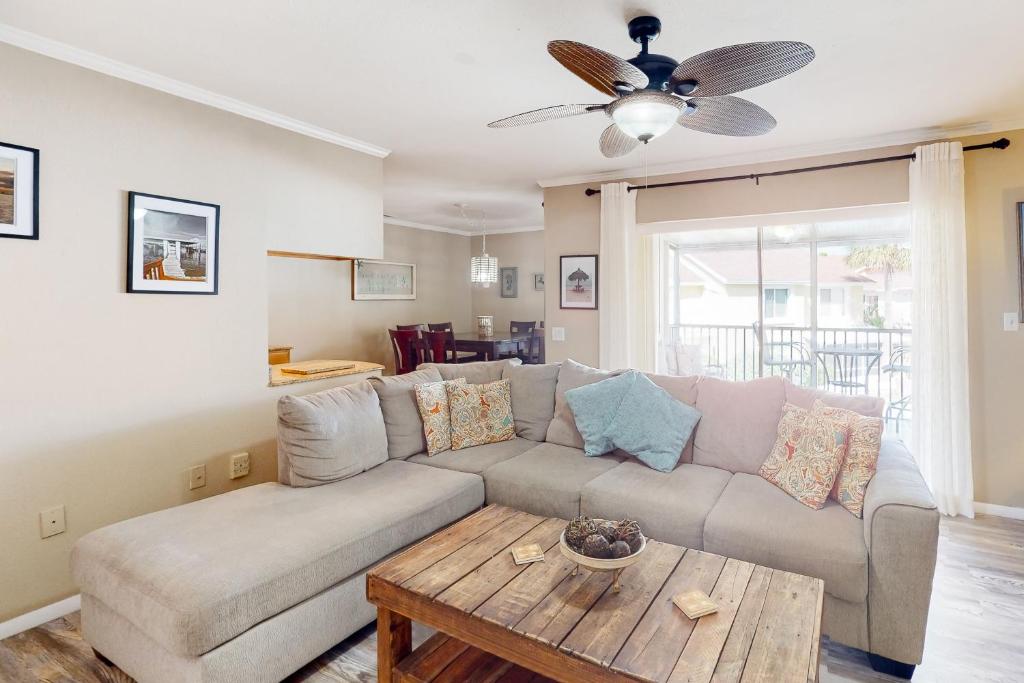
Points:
(1010, 322)
(197, 477)
(51, 522)
(239, 465)
(557, 334)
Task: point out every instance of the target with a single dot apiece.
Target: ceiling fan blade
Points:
(597, 67)
(739, 67)
(726, 115)
(560, 111)
(615, 143)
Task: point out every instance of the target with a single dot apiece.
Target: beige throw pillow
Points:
(432, 400)
(480, 413)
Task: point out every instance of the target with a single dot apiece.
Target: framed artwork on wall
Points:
(509, 283)
(578, 281)
(1020, 259)
(173, 245)
(383, 280)
(19, 192)
(538, 282)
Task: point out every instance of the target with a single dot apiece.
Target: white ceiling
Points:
(423, 77)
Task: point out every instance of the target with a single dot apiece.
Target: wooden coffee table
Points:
(497, 621)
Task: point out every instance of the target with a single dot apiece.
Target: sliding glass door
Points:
(826, 304)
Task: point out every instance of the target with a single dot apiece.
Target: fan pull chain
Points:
(643, 156)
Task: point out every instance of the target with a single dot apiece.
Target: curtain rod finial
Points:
(1001, 143)
(591, 191)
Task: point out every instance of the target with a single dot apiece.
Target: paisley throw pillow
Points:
(807, 455)
(861, 456)
(480, 413)
(432, 401)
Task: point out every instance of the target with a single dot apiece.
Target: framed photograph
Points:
(383, 280)
(538, 282)
(509, 283)
(173, 245)
(1020, 257)
(19, 192)
(578, 281)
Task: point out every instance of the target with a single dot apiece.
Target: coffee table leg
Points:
(394, 642)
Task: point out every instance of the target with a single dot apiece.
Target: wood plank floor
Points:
(974, 630)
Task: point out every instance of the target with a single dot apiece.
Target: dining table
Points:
(843, 364)
(495, 346)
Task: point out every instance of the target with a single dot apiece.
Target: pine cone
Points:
(620, 549)
(577, 531)
(629, 531)
(609, 530)
(596, 546)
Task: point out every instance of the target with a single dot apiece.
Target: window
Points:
(776, 301)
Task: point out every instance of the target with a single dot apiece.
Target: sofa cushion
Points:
(545, 480)
(871, 406)
(401, 414)
(571, 375)
(739, 422)
(533, 397)
(330, 435)
(194, 576)
(757, 522)
(480, 372)
(476, 459)
(670, 507)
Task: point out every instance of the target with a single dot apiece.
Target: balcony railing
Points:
(854, 360)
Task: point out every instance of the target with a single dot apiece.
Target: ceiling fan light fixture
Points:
(646, 115)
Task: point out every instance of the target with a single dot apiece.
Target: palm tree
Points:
(887, 258)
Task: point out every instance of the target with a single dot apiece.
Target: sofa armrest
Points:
(901, 531)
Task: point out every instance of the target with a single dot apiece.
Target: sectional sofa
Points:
(250, 585)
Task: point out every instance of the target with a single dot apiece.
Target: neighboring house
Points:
(719, 287)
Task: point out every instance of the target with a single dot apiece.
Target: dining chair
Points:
(418, 327)
(436, 345)
(455, 356)
(407, 348)
(522, 326)
(534, 353)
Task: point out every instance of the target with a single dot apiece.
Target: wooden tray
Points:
(315, 367)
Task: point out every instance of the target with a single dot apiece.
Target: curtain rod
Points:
(1001, 143)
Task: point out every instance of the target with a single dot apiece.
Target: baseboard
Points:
(999, 510)
(40, 616)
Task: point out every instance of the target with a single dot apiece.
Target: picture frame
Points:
(509, 279)
(578, 281)
(19, 192)
(1020, 259)
(538, 282)
(173, 245)
(383, 280)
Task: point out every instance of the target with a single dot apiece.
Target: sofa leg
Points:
(891, 666)
(100, 657)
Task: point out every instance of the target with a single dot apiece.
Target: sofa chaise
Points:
(250, 585)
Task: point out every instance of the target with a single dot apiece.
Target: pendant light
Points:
(483, 269)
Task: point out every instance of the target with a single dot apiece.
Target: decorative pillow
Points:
(432, 400)
(562, 429)
(650, 424)
(593, 406)
(807, 455)
(861, 456)
(480, 413)
(533, 397)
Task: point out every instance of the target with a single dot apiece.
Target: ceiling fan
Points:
(653, 92)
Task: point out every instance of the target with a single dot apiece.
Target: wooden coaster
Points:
(525, 554)
(695, 604)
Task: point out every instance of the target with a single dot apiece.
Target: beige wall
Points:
(107, 398)
(523, 250)
(311, 306)
(994, 182)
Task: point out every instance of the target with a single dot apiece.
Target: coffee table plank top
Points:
(569, 626)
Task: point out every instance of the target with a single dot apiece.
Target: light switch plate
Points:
(197, 477)
(239, 465)
(51, 522)
(1010, 322)
(557, 334)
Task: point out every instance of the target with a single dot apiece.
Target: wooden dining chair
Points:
(418, 327)
(407, 348)
(436, 344)
(522, 326)
(455, 356)
(533, 354)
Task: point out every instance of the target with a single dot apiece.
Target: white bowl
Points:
(598, 564)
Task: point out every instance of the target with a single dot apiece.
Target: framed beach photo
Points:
(509, 283)
(173, 245)
(538, 282)
(578, 281)
(383, 280)
(19, 192)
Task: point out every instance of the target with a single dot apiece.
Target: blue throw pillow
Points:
(651, 425)
(593, 406)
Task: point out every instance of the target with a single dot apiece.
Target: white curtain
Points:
(941, 409)
(626, 284)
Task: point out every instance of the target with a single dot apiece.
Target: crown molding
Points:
(90, 60)
(509, 231)
(453, 231)
(907, 137)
